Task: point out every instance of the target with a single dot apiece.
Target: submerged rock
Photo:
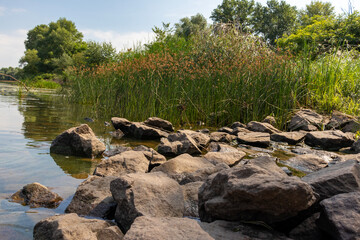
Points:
(36, 195)
(78, 141)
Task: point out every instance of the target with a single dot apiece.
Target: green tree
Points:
(99, 53)
(30, 62)
(190, 26)
(235, 11)
(53, 42)
(316, 8)
(274, 20)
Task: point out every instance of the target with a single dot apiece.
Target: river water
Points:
(28, 124)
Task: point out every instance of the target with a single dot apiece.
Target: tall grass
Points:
(219, 79)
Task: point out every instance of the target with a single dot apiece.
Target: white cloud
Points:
(120, 41)
(12, 47)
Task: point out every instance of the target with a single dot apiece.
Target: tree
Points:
(30, 62)
(274, 20)
(99, 53)
(190, 26)
(52, 42)
(315, 8)
(235, 11)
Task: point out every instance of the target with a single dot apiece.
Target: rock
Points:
(78, 141)
(159, 123)
(221, 230)
(338, 120)
(117, 150)
(121, 123)
(153, 156)
(146, 194)
(190, 191)
(306, 163)
(268, 164)
(204, 131)
(36, 195)
(110, 233)
(185, 163)
(270, 120)
(117, 134)
(201, 139)
(356, 146)
(339, 178)
(126, 162)
(330, 140)
(262, 127)
(352, 126)
(93, 198)
(249, 192)
(229, 158)
(330, 157)
(340, 216)
(291, 138)
(257, 139)
(221, 137)
(220, 147)
(307, 230)
(177, 144)
(306, 120)
(149, 228)
(240, 130)
(142, 131)
(237, 124)
(72, 227)
(199, 175)
(225, 130)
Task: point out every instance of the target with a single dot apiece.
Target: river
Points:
(28, 124)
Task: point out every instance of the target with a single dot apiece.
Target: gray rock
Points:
(110, 233)
(270, 120)
(306, 163)
(225, 130)
(78, 141)
(229, 158)
(146, 194)
(190, 191)
(153, 156)
(268, 164)
(117, 134)
(340, 216)
(257, 139)
(117, 150)
(307, 230)
(262, 127)
(93, 198)
(356, 146)
(199, 175)
(339, 178)
(185, 163)
(251, 193)
(288, 137)
(338, 120)
(177, 144)
(220, 147)
(221, 230)
(126, 162)
(72, 227)
(306, 120)
(159, 123)
(237, 130)
(201, 139)
(352, 126)
(150, 228)
(121, 123)
(330, 157)
(237, 124)
(36, 195)
(221, 137)
(330, 140)
(142, 131)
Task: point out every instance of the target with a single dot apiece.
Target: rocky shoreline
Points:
(227, 184)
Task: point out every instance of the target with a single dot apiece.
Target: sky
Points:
(121, 22)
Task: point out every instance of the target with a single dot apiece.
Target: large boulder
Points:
(257, 139)
(73, 227)
(78, 141)
(190, 191)
(159, 123)
(339, 178)
(306, 163)
(177, 144)
(185, 163)
(288, 137)
(330, 140)
(36, 195)
(307, 120)
(146, 194)
(142, 131)
(262, 127)
(126, 162)
(340, 216)
(221, 230)
(93, 198)
(150, 228)
(267, 163)
(121, 123)
(251, 193)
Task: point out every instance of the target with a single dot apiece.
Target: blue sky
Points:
(121, 22)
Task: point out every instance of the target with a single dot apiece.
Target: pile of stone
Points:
(221, 185)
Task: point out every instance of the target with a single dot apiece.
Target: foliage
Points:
(99, 53)
(190, 26)
(15, 72)
(315, 8)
